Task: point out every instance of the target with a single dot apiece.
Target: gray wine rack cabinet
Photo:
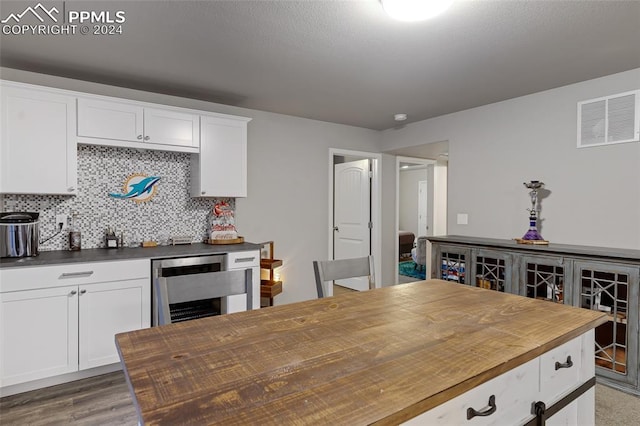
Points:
(605, 279)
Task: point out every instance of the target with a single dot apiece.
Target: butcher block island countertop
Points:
(381, 356)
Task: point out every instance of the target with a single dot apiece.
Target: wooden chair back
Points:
(331, 270)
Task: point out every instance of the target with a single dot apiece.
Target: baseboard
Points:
(57, 380)
(617, 386)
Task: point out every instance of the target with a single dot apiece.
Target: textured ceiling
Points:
(340, 61)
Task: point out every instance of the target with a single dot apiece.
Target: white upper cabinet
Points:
(41, 127)
(171, 128)
(37, 142)
(220, 170)
(110, 120)
(106, 122)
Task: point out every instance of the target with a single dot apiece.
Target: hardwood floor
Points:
(338, 289)
(105, 400)
(101, 400)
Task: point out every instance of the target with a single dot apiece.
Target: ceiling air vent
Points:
(609, 120)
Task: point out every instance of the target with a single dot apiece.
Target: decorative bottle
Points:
(75, 238)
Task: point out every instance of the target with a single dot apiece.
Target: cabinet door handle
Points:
(139, 137)
(83, 291)
(244, 259)
(76, 274)
(203, 192)
(146, 138)
(71, 189)
(567, 364)
(73, 292)
(487, 411)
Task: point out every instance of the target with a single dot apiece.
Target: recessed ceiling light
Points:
(400, 117)
(415, 10)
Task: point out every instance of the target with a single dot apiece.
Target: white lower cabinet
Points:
(63, 319)
(509, 398)
(38, 334)
(105, 310)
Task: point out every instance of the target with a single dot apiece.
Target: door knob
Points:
(335, 228)
(146, 138)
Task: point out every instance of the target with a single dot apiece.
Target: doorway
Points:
(421, 210)
(354, 209)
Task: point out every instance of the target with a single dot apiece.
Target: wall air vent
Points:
(609, 120)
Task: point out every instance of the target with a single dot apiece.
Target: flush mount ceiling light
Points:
(415, 10)
(400, 117)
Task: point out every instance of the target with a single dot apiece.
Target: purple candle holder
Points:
(532, 233)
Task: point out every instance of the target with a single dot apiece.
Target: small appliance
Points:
(19, 233)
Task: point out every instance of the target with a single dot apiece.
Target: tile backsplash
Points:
(103, 170)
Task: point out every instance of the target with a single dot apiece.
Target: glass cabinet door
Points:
(612, 289)
(493, 270)
(544, 278)
(452, 263)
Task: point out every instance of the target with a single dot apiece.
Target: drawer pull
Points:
(567, 364)
(76, 274)
(245, 259)
(487, 411)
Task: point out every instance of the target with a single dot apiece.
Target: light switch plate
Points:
(463, 219)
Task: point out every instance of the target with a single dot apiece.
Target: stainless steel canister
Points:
(19, 233)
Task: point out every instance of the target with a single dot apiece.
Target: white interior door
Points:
(352, 216)
(423, 225)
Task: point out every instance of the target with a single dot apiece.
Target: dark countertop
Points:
(104, 255)
(551, 248)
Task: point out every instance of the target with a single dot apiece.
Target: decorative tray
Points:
(238, 240)
(534, 242)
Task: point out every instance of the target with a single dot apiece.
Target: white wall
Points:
(287, 178)
(493, 149)
(408, 199)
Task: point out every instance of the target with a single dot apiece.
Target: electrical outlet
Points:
(61, 221)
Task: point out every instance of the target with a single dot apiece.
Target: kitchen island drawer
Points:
(505, 399)
(560, 370)
(30, 278)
